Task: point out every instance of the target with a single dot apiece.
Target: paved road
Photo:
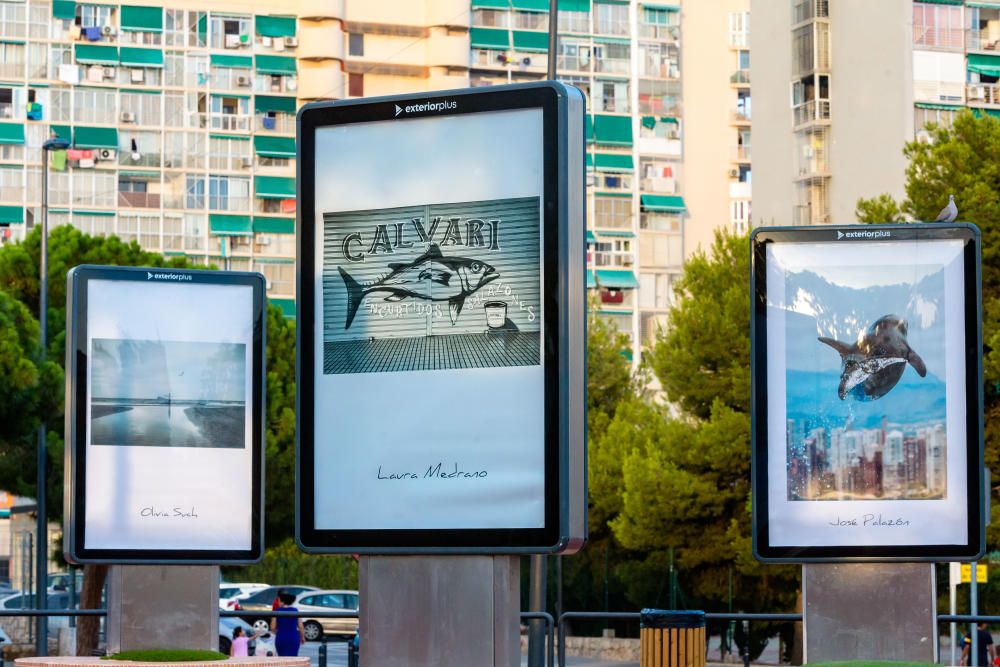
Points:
(336, 656)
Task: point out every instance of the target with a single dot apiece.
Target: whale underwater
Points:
(873, 364)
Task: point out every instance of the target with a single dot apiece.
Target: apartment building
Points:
(668, 141)
(181, 119)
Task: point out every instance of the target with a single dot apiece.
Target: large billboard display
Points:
(441, 304)
(163, 419)
(867, 393)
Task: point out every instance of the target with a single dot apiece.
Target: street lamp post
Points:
(42, 549)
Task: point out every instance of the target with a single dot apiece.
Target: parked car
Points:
(59, 582)
(315, 628)
(262, 601)
(229, 593)
(53, 601)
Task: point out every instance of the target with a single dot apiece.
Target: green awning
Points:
(133, 57)
(612, 2)
(265, 225)
(64, 132)
(94, 54)
(613, 130)
(64, 9)
(11, 133)
(95, 137)
(229, 137)
(141, 19)
(612, 194)
(140, 174)
(616, 279)
(590, 237)
(657, 5)
(268, 103)
(574, 5)
(534, 42)
(942, 2)
(978, 113)
(275, 26)
(279, 147)
(612, 40)
(284, 65)
(489, 38)
(11, 214)
(100, 214)
(222, 224)
(983, 64)
(531, 5)
(613, 162)
(588, 128)
(491, 4)
(937, 106)
(591, 280)
(620, 233)
(663, 203)
(985, 4)
(287, 306)
(589, 161)
(233, 62)
(274, 187)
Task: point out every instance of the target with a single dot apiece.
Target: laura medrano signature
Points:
(171, 513)
(433, 471)
(870, 521)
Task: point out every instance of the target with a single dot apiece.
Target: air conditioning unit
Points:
(246, 162)
(243, 81)
(266, 41)
(138, 76)
(109, 72)
(86, 163)
(127, 117)
(291, 85)
(734, 173)
(263, 239)
(108, 30)
(291, 42)
(232, 41)
(106, 154)
(267, 283)
(8, 112)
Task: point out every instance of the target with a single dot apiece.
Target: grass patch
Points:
(870, 663)
(168, 655)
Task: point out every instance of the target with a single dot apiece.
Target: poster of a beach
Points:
(150, 393)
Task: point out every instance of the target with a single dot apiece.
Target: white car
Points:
(230, 592)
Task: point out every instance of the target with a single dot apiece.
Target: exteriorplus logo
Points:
(168, 276)
(424, 107)
(864, 234)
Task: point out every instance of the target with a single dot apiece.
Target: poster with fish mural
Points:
(867, 426)
(432, 287)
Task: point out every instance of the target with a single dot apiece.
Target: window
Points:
(530, 20)
(743, 59)
(11, 185)
(229, 32)
(739, 215)
(12, 19)
(739, 29)
(611, 19)
(654, 290)
(356, 85)
(615, 212)
(12, 60)
(38, 22)
(651, 16)
(139, 148)
(144, 107)
(614, 96)
(280, 278)
(486, 18)
(659, 97)
(574, 21)
(228, 154)
(38, 60)
(228, 193)
(95, 225)
(194, 191)
(12, 153)
(616, 252)
(93, 188)
(194, 231)
(937, 26)
(59, 54)
(943, 117)
(355, 44)
(92, 105)
(612, 58)
(196, 148)
(91, 16)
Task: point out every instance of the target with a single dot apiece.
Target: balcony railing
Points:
(740, 77)
(740, 115)
(573, 63)
(127, 159)
(812, 111)
(612, 221)
(578, 22)
(940, 91)
(741, 153)
(139, 199)
(982, 93)
(603, 259)
(657, 68)
(936, 37)
(611, 27)
(666, 33)
(808, 10)
(12, 70)
(663, 184)
(612, 65)
(739, 40)
(808, 215)
(982, 40)
(230, 122)
(239, 204)
(282, 123)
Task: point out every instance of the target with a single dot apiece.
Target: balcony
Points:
(983, 93)
(983, 40)
(938, 38)
(739, 40)
(127, 159)
(659, 69)
(739, 116)
(941, 91)
(740, 153)
(235, 204)
(574, 22)
(807, 10)
(614, 27)
(612, 65)
(281, 123)
(661, 185)
(811, 112)
(665, 33)
(12, 70)
(613, 260)
(228, 122)
(808, 215)
(740, 78)
(573, 64)
(138, 200)
(617, 298)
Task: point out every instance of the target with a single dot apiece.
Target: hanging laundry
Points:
(92, 34)
(69, 74)
(58, 162)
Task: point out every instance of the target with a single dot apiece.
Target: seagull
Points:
(949, 212)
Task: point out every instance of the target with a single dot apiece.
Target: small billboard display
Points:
(441, 322)
(867, 393)
(164, 415)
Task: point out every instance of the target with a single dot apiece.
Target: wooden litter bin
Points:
(672, 638)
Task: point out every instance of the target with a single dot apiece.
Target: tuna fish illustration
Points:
(432, 277)
(873, 365)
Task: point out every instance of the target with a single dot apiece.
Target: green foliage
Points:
(882, 208)
(279, 519)
(286, 564)
(960, 161)
(168, 655)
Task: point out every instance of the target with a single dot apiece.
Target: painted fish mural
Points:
(432, 277)
(874, 364)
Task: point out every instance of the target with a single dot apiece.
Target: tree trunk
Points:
(797, 645)
(88, 628)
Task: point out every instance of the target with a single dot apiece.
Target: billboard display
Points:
(164, 419)
(867, 393)
(441, 300)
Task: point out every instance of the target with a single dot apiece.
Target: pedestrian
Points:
(985, 651)
(288, 631)
(240, 648)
